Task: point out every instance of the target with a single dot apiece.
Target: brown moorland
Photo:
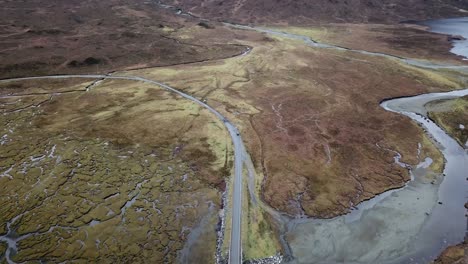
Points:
(42, 37)
(401, 40)
(310, 118)
(300, 12)
(312, 121)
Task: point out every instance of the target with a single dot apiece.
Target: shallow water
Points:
(413, 224)
(453, 26)
(400, 226)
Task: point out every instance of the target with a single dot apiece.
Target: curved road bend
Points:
(235, 251)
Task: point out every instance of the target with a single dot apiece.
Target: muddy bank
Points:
(413, 224)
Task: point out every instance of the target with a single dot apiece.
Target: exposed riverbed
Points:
(412, 224)
(409, 225)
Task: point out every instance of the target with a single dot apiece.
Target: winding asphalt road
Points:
(235, 252)
(240, 154)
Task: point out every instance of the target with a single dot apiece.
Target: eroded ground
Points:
(122, 173)
(452, 116)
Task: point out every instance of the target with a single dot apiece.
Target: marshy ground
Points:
(121, 170)
(313, 125)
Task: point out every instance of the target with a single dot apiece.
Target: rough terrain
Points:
(41, 37)
(402, 40)
(130, 187)
(312, 120)
(321, 11)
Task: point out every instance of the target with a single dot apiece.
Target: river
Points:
(453, 26)
(409, 225)
(413, 224)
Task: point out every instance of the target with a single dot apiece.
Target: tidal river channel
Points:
(453, 26)
(413, 224)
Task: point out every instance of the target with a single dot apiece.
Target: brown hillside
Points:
(304, 11)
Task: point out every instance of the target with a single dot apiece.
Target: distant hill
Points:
(316, 11)
(40, 37)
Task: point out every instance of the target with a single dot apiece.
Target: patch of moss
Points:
(3, 248)
(259, 239)
(452, 116)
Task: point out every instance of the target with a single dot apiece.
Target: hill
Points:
(303, 11)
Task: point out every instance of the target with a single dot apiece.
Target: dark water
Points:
(453, 26)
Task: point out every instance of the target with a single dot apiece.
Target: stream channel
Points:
(413, 224)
